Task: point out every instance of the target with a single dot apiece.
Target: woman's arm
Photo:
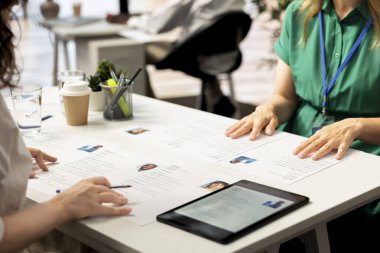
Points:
(369, 130)
(24, 227)
(284, 99)
(278, 109)
(84, 199)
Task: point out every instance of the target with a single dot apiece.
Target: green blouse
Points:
(356, 93)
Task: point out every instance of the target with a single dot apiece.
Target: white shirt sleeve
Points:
(1, 229)
(164, 18)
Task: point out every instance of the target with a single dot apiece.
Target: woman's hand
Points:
(263, 117)
(40, 158)
(279, 108)
(337, 136)
(86, 198)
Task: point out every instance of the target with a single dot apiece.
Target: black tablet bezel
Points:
(223, 236)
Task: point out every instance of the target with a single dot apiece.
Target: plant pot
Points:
(96, 101)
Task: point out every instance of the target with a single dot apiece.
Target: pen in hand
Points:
(111, 187)
(120, 186)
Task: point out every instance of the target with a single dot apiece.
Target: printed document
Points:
(157, 185)
(268, 157)
(275, 161)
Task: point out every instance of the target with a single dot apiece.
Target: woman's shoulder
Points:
(292, 14)
(293, 7)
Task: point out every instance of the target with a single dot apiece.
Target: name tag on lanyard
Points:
(319, 122)
(327, 88)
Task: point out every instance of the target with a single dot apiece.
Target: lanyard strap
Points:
(327, 89)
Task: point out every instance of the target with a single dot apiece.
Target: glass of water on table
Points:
(26, 102)
(69, 76)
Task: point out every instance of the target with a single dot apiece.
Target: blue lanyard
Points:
(327, 89)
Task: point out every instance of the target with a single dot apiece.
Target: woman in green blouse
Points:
(327, 86)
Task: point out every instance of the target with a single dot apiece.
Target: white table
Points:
(102, 40)
(332, 192)
(82, 34)
(79, 34)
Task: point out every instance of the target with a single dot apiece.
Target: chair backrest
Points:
(221, 38)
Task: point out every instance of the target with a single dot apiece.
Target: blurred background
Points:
(253, 80)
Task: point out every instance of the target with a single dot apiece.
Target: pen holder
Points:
(121, 109)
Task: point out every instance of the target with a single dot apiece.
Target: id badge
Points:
(318, 122)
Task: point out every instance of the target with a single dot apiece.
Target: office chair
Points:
(210, 52)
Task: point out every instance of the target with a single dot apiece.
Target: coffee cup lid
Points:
(78, 88)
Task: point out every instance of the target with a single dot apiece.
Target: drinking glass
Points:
(26, 102)
(69, 76)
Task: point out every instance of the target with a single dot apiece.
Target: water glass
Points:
(69, 76)
(26, 102)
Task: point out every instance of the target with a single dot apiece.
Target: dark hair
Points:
(9, 72)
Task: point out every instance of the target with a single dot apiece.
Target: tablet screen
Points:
(235, 208)
(231, 212)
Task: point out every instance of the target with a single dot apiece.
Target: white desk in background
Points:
(332, 191)
(82, 34)
(79, 34)
(102, 40)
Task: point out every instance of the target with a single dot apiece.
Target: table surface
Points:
(92, 29)
(102, 28)
(332, 191)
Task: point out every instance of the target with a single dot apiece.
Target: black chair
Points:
(211, 51)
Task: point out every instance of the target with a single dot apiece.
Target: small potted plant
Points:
(104, 70)
(101, 76)
(96, 100)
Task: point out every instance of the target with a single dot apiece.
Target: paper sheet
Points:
(217, 147)
(268, 157)
(66, 147)
(174, 133)
(157, 185)
(275, 161)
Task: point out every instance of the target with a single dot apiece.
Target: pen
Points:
(34, 126)
(113, 75)
(120, 186)
(121, 89)
(46, 117)
(111, 187)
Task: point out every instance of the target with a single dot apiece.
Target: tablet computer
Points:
(233, 211)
